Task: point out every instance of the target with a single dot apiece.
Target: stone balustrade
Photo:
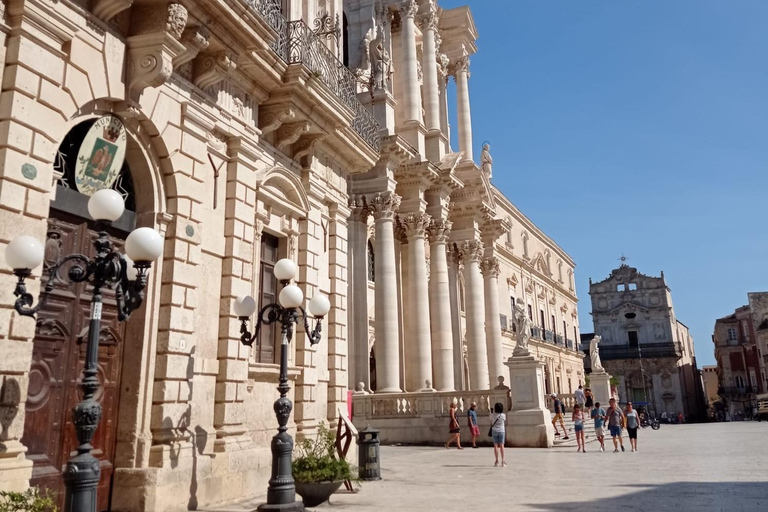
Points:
(568, 399)
(423, 418)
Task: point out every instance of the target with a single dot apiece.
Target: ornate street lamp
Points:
(126, 274)
(281, 494)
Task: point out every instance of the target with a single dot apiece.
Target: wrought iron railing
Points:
(646, 351)
(297, 43)
(559, 340)
(549, 336)
(536, 332)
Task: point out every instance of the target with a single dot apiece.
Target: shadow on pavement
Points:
(677, 496)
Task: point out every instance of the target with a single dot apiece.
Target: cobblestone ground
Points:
(714, 467)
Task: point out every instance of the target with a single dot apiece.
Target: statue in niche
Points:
(381, 63)
(523, 324)
(486, 161)
(594, 355)
(365, 55)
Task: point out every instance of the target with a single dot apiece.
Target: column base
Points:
(437, 145)
(531, 429)
(414, 133)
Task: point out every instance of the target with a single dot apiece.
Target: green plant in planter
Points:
(316, 460)
(28, 501)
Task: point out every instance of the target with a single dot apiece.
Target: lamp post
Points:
(127, 275)
(281, 494)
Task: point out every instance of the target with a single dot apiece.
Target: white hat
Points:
(553, 395)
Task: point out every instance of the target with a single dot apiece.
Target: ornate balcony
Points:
(536, 332)
(549, 336)
(297, 43)
(559, 340)
(646, 350)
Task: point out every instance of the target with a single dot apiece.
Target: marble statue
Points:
(594, 354)
(381, 64)
(486, 161)
(523, 324)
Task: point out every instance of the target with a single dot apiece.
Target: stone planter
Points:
(316, 493)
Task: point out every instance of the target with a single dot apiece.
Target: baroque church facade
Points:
(644, 345)
(255, 130)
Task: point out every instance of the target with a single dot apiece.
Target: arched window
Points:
(371, 263)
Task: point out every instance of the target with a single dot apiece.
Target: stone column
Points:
(359, 369)
(429, 69)
(496, 369)
(472, 253)
(454, 266)
(461, 75)
(440, 307)
(410, 77)
(418, 346)
(383, 206)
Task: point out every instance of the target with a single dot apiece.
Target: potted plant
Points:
(28, 501)
(317, 471)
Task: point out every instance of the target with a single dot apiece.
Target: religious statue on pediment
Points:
(486, 161)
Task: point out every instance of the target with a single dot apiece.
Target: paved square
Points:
(715, 467)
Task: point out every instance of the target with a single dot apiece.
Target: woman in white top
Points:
(498, 432)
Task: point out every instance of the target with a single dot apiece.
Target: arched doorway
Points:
(59, 344)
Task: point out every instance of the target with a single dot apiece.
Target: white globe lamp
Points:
(130, 271)
(106, 204)
(291, 296)
(24, 253)
(319, 305)
(144, 245)
(244, 306)
(285, 270)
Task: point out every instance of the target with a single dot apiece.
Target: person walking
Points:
(580, 397)
(616, 421)
(589, 403)
(559, 414)
(598, 414)
(454, 429)
(498, 432)
(578, 427)
(633, 423)
(474, 430)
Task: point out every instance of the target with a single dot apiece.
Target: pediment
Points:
(279, 186)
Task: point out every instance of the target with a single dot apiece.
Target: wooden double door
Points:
(58, 359)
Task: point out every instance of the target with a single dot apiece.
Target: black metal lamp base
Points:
(296, 506)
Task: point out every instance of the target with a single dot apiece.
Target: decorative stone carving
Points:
(512, 281)
(177, 19)
(383, 205)
(490, 267)
(523, 324)
(486, 161)
(290, 133)
(212, 69)
(408, 8)
(443, 64)
(460, 65)
(150, 61)
(381, 63)
(358, 211)
(272, 120)
(414, 224)
(594, 355)
(438, 230)
(428, 21)
(306, 145)
(105, 10)
(471, 250)
(195, 40)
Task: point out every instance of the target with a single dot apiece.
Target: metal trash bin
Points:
(368, 443)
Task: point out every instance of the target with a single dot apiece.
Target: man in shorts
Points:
(474, 430)
(559, 414)
(598, 414)
(616, 421)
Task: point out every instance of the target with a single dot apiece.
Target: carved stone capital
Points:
(439, 230)
(490, 267)
(414, 224)
(471, 250)
(195, 40)
(211, 69)
(428, 21)
(105, 10)
(290, 133)
(408, 8)
(358, 211)
(460, 65)
(383, 205)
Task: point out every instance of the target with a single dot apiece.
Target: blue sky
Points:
(634, 127)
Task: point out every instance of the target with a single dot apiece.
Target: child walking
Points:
(578, 427)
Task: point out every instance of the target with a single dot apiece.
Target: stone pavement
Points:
(711, 467)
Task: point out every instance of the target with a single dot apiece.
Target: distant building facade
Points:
(711, 385)
(738, 362)
(758, 305)
(644, 345)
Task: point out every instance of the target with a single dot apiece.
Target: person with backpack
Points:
(498, 432)
(559, 414)
(598, 414)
